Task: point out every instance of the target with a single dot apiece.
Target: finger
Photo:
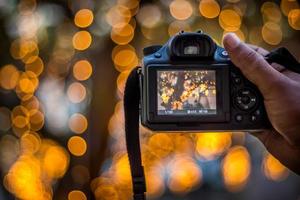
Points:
(278, 67)
(252, 64)
(259, 50)
(264, 53)
(280, 149)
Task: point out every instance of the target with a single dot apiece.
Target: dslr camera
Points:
(190, 84)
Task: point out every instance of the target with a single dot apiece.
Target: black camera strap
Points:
(283, 57)
(131, 109)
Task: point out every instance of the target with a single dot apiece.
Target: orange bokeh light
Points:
(76, 195)
(78, 123)
(36, 67)
(181, 9)
(82, 40)
(9, 77)
(84, 18)
(76, 92)
(273, 169)
(236, 168)
(118, 16)
(230, 20)
(82, 70)
(124, 57)
(209, 8)
(122, 35)
(272, 33)
(294, 19)
(77, 146)
(210, 145)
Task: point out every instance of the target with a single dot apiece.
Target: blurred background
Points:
(62, 72)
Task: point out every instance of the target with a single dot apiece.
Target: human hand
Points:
(281, 91)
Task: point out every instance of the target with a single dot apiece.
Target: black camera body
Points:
(190, 84)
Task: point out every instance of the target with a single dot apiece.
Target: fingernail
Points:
(231, 40)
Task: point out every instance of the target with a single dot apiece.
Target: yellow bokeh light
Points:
(122, 35)
(20, 117)
(210, 145)
(9, 77)
(118, 16)
(32, 105)
(36, 67)
(272, 33)
(131, 4)
(82, 40)
(36, 120)
(185, 174)
(28, 82)
(78, 123)
(24, 179)
(20, 121)
(76, 92)
(84, 18)
(76, 195)
(26, 50)
(181, 9)
(122, 170)
(294, 19)
(59, 156)
(236, 168)
(30, 142)
(160, 144)
(273, 169)
(155, 183)
(77, 146)
(230, 20)
(255, 36)
(121, 81)
(82, 70)
(288, 5)
(22, 95)
(124, 57)
(209, 8)
(177, 26)
(149, 16)
(271, 12)
(108, 192)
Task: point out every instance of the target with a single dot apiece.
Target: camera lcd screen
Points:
(184, 92)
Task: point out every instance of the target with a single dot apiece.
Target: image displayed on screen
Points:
(186, 92)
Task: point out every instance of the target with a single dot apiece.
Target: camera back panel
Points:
(189, 89)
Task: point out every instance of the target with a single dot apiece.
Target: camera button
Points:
(253, 118)
(257, 112)
(237, 80)
(224, 53)
(238, 118)
(157, 55)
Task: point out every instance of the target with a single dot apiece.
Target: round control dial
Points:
(245, 99)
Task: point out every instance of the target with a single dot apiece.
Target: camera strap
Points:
(283, 57)
(131, 111)
(132, 95)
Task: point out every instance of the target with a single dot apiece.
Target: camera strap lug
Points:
(132, 95)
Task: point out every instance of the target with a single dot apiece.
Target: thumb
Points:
(254, 67)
